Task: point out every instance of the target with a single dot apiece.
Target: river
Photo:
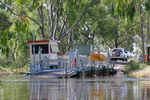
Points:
(118, 87)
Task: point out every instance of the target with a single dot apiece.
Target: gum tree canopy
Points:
(55, 18)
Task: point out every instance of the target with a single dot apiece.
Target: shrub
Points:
(147, 63)
(134, 66)
(19, 63)
(5, 64)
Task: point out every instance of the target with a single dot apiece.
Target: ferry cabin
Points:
(49, 50)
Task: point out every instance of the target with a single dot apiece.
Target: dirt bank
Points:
(4, 71)
(7, 71)
(143, 73)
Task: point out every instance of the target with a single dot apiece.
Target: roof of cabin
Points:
(38, 41)
(43, 41)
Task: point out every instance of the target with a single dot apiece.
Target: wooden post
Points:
(66, 71)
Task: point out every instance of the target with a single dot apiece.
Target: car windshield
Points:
(114, 50)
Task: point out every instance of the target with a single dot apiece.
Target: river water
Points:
(17, 87)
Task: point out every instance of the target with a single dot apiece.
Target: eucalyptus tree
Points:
(109, 29)
(53, 19)
(14, 33)
(127, 10)
(5, 24)
(61, 15)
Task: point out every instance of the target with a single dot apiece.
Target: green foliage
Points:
(19, 63)
(21, 26)
(5, 64)
(147, 5)
(123, 8)
(4, 33)
(5, 23)
(106, 21)
(147, 63)
(36, 3)
(127, 45)
(15, 32)
(134, 66)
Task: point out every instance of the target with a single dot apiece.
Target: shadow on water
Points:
(97, 88)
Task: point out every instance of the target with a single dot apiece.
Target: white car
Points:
(119, 54)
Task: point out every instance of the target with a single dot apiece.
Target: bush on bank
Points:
(134, 66)
(18, 66)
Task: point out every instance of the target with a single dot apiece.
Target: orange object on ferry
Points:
(146, 58)
(75, 61)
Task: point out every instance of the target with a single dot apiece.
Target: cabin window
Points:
(54, 48)
(44, 48)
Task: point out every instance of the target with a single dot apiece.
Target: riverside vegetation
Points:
(101, 23)
(139, 70)
(17, 67)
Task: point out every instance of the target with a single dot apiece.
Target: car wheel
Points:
(117, 53)
(123, 59)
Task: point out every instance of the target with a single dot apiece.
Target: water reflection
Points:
(58, 89)
(146, 92)
(14, 88)
(99, 88)
(88, 89)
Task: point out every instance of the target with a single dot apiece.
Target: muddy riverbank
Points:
(140, 73)
(8, 71)
(4, 71)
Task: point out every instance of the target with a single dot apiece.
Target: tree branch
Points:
(107, 43)
(20, 15)
(78, 20)
(62, 27)
(32, 19)
(125, 39)
(131, 28)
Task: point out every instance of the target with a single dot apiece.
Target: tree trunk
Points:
(13, 54)
(62, 27)
(43, 33)
(57, 20)
(70, 41)
(116, 44)
(40, 10)
(76, 41)
(52, 19)
(142, 36)
(61, 44)
(93, 38)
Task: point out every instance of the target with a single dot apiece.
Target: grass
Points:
(17, 67)
(132, 66)
(138, 70)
